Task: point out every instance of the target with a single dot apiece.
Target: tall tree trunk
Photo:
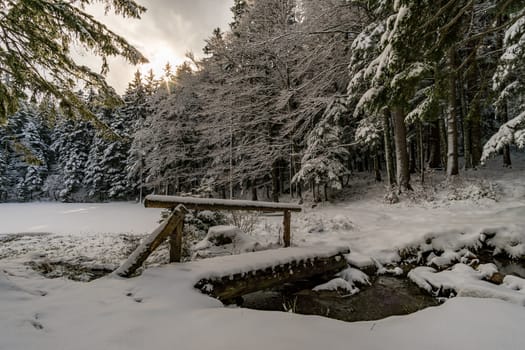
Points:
(503, 115)
(467, 128)
(475, 122)
(388, 148)
(421, 147)
(412, 168)
(377, 171)
(452, 129)
(434, 156)
(254, 190)
(443, 139)
(275, 181)
(507, 162)
(400, 139)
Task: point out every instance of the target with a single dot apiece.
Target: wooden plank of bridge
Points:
(229, 287)
(150, 243)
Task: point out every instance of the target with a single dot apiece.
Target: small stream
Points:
(386, 296)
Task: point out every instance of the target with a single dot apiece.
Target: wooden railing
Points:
(171, 202)
(171, 227)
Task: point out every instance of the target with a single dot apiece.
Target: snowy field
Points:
(161, 310)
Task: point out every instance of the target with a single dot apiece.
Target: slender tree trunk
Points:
(475, 122)
(467, 150)
(507, 162)
(254, 190)
(377, 171)
(452, 130)
(434, 156)
(503, 116)
(412, 157)
(275, 181)
(421, 151)
(403, 175)
(388, 148)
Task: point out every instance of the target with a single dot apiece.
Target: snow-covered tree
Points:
(324, 158)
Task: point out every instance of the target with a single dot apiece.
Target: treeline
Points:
(299, 95)
(49, 155)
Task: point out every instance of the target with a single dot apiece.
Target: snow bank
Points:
(463, 280)
(159, 310)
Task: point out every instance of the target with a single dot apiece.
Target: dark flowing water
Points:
(387, 296)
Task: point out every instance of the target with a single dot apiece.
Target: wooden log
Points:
(232, 287)
(150, 243)
(176, 243)
(287, 228)
(157, 201)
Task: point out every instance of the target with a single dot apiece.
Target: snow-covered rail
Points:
(170, 202)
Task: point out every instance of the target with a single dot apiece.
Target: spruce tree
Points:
(28, 50)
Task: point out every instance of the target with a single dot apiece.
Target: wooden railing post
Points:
(151, 242)
(176, 243)
(286, 228)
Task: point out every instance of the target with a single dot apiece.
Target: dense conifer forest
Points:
(296, 97)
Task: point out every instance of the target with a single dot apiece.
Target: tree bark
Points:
(507, 162)
(475, 123)
(254, 190)
(388, 148)
(434, 156)
(467, 142)
(421, 147)
(412, 168)
(377, 171)
(403, 175)
(452, 130)
(275, 181)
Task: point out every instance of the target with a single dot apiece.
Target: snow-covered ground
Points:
(161, 310)
(77, 218)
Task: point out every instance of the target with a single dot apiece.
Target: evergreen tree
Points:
(28, 51)
(135, 111)
(324, 158)
(72, 141)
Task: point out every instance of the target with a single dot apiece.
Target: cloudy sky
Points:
(165, 33)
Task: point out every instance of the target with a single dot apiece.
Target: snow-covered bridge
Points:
(227, 278)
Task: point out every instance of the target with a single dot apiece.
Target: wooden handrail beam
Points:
(157, 201)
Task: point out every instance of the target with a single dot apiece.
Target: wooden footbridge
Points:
(229, 277)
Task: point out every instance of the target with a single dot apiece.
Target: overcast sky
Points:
(166, 32)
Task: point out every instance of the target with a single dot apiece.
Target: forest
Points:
(296, 97)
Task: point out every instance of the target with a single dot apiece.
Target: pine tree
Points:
(28, 51)
(135, 111)
(324, 158)
(72, 141)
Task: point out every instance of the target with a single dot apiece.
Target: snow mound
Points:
(337, 284)
(514, 283)
(354, 275)
(463, 280)
(226, 240)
